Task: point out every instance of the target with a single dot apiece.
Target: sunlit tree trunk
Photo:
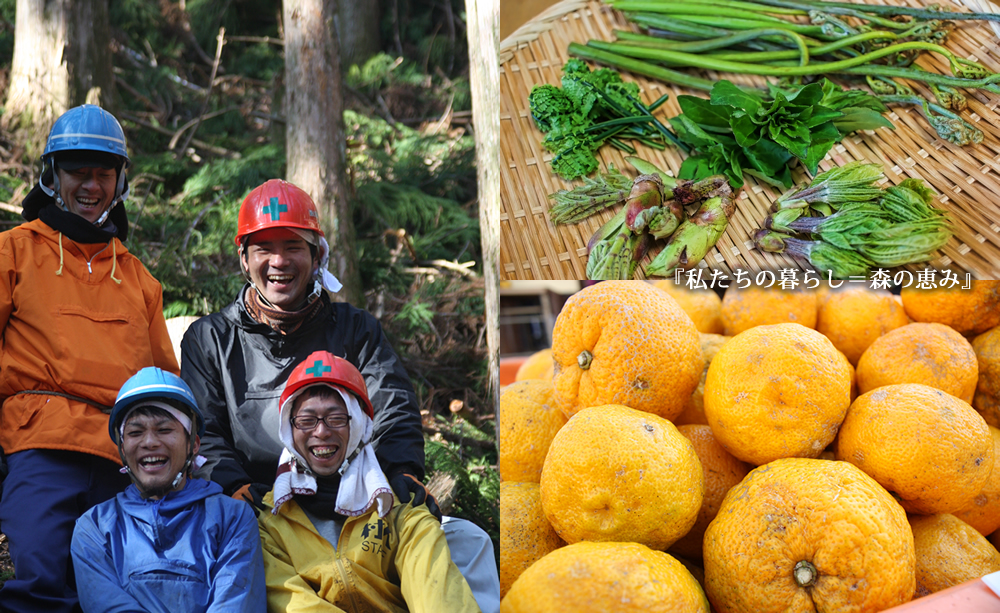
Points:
(316, 148)
(62, 58)
(483, 17)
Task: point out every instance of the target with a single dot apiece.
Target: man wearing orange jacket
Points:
(79, 315)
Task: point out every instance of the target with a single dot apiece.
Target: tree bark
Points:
(358, 31)
(316, 149)
(483, 18)
(61, 59)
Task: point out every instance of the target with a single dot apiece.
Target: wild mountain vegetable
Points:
(738, 131)
(605, 190)
(854, 226)
(652, 212)
(696, 236)
(653, 209)
(841, 263)
(593, 108)
(839, 185)
(613, 253)
(796, 39)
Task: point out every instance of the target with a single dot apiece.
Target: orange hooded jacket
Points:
(77, 319)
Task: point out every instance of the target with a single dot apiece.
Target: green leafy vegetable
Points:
(737, 130)
(853, 225)
(592, 108)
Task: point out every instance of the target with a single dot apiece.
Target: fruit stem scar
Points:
(805, 574)
(584, 359)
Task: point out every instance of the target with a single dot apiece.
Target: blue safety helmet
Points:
(86, 128)
(154, 383)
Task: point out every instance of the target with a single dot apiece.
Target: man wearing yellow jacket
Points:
(334, 536)
(79, 315)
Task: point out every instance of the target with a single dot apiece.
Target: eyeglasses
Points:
(309, 422)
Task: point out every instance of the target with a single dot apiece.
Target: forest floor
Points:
(6, 566)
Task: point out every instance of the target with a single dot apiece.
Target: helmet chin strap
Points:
(316, 290)
(53, 192)
(160, 491)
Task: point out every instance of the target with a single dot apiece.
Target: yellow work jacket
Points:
(67, 326)
(393, 564)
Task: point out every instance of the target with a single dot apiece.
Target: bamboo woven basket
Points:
(967, 179)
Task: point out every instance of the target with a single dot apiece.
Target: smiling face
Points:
(87, 192)
(323, 447)
(155, 446)
(281, 265)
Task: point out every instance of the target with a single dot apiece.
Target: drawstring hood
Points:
(61, 259)
(114, 263)
(38, 204)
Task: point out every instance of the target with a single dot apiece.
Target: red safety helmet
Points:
(324, 367)
(276, 204)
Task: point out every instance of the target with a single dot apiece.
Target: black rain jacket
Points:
(237, 367)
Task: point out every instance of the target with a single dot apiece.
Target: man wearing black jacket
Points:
(237, 360)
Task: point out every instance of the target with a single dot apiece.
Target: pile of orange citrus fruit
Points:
(763, 451)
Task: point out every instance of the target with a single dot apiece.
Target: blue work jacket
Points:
(193, 551)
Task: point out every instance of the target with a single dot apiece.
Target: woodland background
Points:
(200, 88)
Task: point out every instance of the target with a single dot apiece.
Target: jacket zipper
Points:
(347, 586)
(156, 522)
(89, 269)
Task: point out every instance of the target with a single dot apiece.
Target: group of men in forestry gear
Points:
(281, 470)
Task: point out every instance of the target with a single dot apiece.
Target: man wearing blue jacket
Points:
(169, 543)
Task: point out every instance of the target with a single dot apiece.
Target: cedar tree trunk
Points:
(358, 31)
(483, 17)
(62, 58)
(316, 148)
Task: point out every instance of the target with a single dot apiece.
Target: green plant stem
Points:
(621, 146)
(621, 121)
(989, 83)
(737, 4)
(661, 128)
(768, 56)
(752, 10)
(633, 65)
(723, 42)
(659, 102)
(948, 125)
(696, 9)
(709, 63)
(646, 117)
(807, 8)
(848, 8)
(678, 26)
(733, 23)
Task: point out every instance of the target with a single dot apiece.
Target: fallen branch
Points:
(258, 39)
(197, 120)
(197, 143)
(139, 179)
(462, 440)
(135, 93)
(15, 196)
(139, 58)
(463, 269)
(197, 218)
(381, 108)
(220, 41)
